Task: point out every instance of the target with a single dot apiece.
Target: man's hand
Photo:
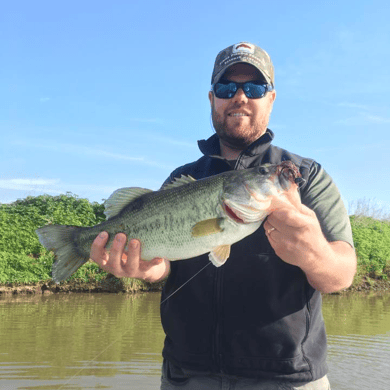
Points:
(128, 263)
(296, 236)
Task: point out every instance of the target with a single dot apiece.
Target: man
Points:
(255, 322)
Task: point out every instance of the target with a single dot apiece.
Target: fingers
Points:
(307, 211)
(289, 223)
(156, 261)
(119, 262)
(268, 227)
(98, 252)
(109, 262)
(134, 264)
(271, 235)
(134, 251)
(287, 217)
(113, 263)
(270, 231)
(294, 198)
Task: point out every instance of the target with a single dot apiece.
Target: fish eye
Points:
(263, 170)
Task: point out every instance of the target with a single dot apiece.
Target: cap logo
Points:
(243, 47)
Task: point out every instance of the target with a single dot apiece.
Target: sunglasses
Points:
(252, 89)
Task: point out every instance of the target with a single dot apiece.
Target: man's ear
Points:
(273, 95)
(211, 95)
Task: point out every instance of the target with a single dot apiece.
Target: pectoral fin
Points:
(206, 227)
(219, 255)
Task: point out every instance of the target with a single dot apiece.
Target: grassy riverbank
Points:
(25, 265)
(108, 284)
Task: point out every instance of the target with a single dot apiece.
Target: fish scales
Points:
(159, 221)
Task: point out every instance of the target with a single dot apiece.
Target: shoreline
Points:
(108, 285)
(114, 285)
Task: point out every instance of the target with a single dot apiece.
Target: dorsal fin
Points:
(178, 181)
(119, 199)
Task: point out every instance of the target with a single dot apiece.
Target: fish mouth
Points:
(244, 213)
(229, 211)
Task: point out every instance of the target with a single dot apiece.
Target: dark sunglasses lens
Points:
(251, 90)
(225, 91)
(254, 91)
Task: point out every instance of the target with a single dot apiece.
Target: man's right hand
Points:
(127, 264)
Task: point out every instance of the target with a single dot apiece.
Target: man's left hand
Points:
(295, 235)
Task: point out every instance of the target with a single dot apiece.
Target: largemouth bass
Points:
(184, 219)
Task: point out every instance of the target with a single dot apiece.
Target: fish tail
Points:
(61, 240)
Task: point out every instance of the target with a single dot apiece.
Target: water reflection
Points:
(108, 341)
(358, 328)
(95, 337)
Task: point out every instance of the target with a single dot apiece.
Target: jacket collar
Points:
(210, 147)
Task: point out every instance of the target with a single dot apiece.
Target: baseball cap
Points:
(243, 52)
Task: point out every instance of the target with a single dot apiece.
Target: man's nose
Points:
(240, 96)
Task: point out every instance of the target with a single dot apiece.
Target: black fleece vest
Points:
(256, 316)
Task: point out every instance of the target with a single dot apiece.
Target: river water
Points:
(110, 341)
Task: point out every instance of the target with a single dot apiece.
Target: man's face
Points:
(239, 121)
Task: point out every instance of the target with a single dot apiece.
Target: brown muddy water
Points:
(110, 341)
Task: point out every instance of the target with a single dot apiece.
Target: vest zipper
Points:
(218, 358)
(217, 310)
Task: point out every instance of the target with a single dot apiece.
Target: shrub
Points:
(22, 268)
(19, 220)
(22, 258)
(372, 243)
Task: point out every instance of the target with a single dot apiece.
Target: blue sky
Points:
(100, 95)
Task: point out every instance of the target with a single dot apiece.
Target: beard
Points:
(239, 136)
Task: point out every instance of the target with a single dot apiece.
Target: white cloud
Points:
(44, 99)
(364, 115)
(27, 184)
(146, 120)
(354, 105)
(175, 142)
(17, 188)
(34, 187)
(377, 119)
(89, 150)
(353, 148)
(363, 119)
